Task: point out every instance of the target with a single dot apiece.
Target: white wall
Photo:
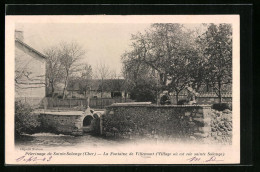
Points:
(30, 62)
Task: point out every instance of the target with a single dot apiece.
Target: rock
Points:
(192, 138)
(226, 111)
(219, 133)
(213, 134)
(213, 129)
(226, 123)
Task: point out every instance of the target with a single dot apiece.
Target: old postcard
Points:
(157, 89)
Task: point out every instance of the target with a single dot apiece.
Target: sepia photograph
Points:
(156, 91)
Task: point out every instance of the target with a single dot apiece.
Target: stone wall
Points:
(152, 121)
(212, 100)
(62, 124)
(221, 126)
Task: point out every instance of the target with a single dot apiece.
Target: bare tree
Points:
(85, 79)
(55, 70)
(102, 72)
(70, 54)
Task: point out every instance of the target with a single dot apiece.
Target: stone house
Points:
(30, 68)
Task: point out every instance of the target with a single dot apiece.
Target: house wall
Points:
(30, 89)
(106, 94)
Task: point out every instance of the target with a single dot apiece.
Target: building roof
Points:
(96, 84)
(29, 47)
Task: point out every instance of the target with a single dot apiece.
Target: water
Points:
(60, 140)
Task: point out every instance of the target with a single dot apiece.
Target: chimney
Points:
(19, 35)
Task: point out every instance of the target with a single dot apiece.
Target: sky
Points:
(103, 43)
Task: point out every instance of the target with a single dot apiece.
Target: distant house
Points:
(93, 88)
(30, 68)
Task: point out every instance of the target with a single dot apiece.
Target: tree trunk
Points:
(52, 90)
(219, 92)
(65, 87)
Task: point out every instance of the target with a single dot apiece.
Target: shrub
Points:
(143, 93)
(165, 100)
(181, 102)
(221, 106)
(25, 121)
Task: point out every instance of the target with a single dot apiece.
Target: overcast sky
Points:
(102, 42)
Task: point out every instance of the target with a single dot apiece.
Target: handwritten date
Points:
(33, 159)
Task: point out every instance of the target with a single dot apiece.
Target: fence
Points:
(33, 101)
(97, 103)
(205, 98)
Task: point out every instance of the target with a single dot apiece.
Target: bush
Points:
(165, 100)
(221, 106)
(143, 93)
(25, 121)
(181, 102)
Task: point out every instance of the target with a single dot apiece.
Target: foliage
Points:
(167, 52)
(165, 100)
(143, 93)
(221, 106)
(217, 50)
(182, 102)
(25, 121)
(176, 57)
